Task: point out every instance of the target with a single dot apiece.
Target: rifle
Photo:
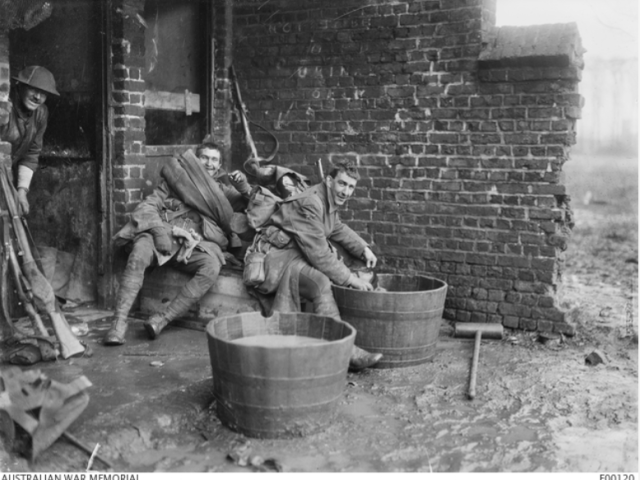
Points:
(252, 164)
(40, 288)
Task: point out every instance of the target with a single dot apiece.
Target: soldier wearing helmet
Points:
(25, 123)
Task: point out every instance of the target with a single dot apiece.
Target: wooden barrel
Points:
(227, 296)
(401, 322)
(278, 391)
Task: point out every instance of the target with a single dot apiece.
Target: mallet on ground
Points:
(477, 330)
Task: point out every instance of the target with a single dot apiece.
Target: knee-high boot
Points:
(130, 285)
(360, 359)
(178, 307)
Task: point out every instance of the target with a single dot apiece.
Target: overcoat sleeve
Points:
(237, 200)
(350, 240)
(148, 212)
(30, 158)
(307, 228)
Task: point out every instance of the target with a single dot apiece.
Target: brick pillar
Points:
(127, 92)
(223, 97)
(529, 79)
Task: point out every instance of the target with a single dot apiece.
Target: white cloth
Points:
(25, 174)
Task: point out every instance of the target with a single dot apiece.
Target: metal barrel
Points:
(402, 322)
(278, 392)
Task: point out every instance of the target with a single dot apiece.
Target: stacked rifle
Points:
(26, 276)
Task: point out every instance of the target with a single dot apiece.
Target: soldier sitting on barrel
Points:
(185, 223)
(300, 259)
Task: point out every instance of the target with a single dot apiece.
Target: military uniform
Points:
(25, 132)
(176, 205)
(301, 261)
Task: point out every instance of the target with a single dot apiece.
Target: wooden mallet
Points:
(478, 330)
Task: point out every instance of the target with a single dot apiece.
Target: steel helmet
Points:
(38, 77)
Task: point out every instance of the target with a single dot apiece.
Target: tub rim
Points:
(351, 336)
(444, 286)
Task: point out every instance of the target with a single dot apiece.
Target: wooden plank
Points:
(187, 102)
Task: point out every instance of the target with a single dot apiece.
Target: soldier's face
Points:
(341, 187)
(32, 97)
(210, 159)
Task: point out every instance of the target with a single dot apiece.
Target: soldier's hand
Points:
(369, 258)
(22, 201)
(161, 240)
(239, 181)
(358, 283)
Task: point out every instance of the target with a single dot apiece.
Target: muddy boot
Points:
(361, 359)
(178, 307)
(155, 324)
(126, 296)
(130, 285)
(115, 335)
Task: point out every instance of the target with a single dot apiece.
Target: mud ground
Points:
(539, 407)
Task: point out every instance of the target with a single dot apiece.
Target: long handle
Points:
(474, 366)
(80, 444)
(243, 115)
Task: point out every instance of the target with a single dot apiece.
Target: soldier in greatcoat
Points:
(301, 260)
(184, 223)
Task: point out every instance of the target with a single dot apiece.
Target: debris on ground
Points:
(44, 408)
(28, 349)
(606, 312)
(270, 465)
(595, 358)
(550, 339)
(80, 329)
(241, 455)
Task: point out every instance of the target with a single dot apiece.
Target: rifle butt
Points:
(69, 344)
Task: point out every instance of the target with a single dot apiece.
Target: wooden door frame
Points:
(106, 279)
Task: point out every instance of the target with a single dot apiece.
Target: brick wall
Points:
(460, 140)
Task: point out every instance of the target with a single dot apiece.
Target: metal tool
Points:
(477, 331)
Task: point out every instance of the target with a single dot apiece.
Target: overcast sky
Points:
(609, 28)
